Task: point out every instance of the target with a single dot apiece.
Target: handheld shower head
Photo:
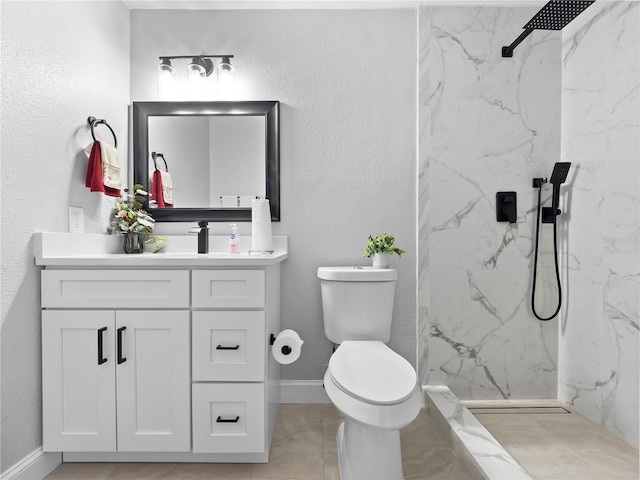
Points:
(558, 177)
(560, 172)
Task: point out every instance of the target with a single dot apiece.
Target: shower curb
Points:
(481, 454)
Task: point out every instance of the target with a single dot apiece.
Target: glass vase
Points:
(134, 242)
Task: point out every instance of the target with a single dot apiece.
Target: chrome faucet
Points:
(203, 237)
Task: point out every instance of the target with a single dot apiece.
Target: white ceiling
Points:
(312, 4)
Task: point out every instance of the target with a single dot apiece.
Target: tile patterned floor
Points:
(562, 446)
(304, 448)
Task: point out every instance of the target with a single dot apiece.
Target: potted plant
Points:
(381, 247)
(131, 220)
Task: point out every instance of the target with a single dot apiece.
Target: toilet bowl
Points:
(377, 391)
(374, 387)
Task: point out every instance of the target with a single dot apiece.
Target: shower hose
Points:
(535, 263)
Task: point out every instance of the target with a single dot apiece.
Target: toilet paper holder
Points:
(286, 349)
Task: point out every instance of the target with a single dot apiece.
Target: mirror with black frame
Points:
(206, 161)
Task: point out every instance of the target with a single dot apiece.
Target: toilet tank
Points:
(357, 302)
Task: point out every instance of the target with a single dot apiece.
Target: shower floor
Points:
(550, 441)
(529, 439)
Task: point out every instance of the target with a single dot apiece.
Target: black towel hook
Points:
(155, 155)
(93, 121)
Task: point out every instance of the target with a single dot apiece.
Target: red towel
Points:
(156, 190)
(94, 173)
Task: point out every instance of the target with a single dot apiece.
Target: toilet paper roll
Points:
(261, 237)
(287, 347)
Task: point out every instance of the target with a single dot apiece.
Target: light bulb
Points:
(226, 78)
(166, 78)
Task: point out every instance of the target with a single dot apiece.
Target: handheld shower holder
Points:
(549, 214)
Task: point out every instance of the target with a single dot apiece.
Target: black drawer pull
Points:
(101, 358)
(121, 358)
(220, 347)
(227, 420)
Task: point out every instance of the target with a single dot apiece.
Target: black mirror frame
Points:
(269, 108)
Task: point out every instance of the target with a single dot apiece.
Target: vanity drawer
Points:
(228, 288)
(228, 417)
(115, 288)
(228, 346)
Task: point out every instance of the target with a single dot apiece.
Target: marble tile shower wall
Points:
(599, 341)
(487, 124)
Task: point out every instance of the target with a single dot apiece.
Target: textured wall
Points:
(346, 83)
(487, 124)
(599, 341)
(61, 62)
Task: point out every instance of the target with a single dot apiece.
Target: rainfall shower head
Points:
(555, 15)
(560, 172)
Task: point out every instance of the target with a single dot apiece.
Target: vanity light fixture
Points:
(166, 77)
(199, 68)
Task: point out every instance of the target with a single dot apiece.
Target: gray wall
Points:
(61, 63)
(346, 81)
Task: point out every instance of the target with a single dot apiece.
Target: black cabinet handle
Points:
(101, 358)
(121, 359)
(227, 420)
(220, 347)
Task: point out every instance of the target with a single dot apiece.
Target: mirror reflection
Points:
(206, 161)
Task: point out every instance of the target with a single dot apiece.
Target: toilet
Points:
(375, 388)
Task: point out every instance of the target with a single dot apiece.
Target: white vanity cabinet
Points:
(158, 358)
(115, 380)
(229, 348)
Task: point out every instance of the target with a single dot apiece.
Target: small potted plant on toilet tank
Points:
(381, 247)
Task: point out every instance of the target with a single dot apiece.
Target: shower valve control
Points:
(506, 207)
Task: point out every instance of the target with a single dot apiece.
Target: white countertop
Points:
(95, 250)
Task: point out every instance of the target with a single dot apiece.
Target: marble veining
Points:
(489, 124)
(481, 453)
(599, 343)
(493, 125)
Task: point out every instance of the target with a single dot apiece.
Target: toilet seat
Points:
(371, 372)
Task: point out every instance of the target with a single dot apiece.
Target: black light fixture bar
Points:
(194, 56)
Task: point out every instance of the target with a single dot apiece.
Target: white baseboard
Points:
(35, 466)
(303, 391)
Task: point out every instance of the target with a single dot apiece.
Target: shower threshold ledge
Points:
(481, 454)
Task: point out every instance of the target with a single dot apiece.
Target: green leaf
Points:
(382, 243)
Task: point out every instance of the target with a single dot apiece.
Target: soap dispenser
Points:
(234, 239)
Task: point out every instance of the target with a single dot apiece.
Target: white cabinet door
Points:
(78, 389)
(153, 381)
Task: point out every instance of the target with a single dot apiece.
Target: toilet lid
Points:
(372, 372)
